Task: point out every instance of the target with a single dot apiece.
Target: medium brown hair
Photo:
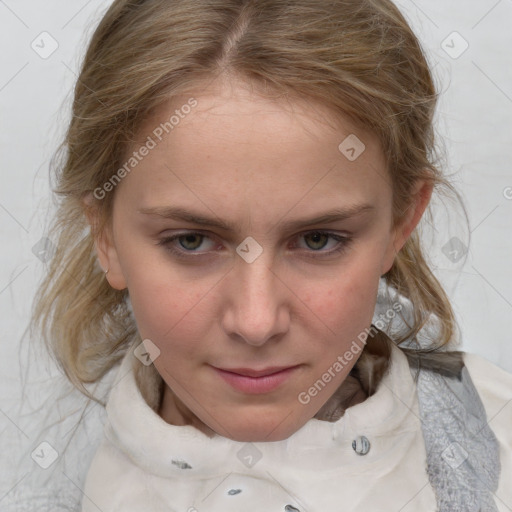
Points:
(358, 57)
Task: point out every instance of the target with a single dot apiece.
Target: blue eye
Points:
(190, 241)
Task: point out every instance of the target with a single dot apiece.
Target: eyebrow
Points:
(335, 215)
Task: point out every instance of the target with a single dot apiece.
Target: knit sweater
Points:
(372, 458)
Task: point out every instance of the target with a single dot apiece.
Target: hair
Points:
(358, 57)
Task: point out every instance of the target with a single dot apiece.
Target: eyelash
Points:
(342, 246)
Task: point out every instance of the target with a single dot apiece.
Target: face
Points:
(247, 274)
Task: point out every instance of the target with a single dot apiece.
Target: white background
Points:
(474, 123)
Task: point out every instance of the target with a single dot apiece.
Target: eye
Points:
(190, 241)
(319, 239)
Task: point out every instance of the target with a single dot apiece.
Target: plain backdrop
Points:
(468, 44)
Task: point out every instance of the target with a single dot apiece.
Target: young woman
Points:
(253, 174)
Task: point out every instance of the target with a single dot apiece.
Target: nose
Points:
(258, 308)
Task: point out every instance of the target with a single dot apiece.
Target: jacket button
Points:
(361, 445)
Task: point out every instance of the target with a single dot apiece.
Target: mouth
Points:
(248, 372)
(252, 381)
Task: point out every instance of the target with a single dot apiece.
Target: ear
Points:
(421, 194)
(104, 244)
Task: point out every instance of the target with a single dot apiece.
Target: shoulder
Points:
(494, 386)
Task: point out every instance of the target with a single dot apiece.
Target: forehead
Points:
(226, 144)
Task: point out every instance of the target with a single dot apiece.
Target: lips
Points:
(251, 381)
(249, 372)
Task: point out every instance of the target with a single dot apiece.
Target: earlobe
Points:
(421, 194)
(108, 258)
(105, 247)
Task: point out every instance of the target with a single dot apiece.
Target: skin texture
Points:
(256, 163)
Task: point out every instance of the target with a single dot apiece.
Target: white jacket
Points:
(146, 464)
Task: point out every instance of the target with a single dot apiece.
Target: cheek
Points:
(166, 309)
(162, 298)
(344, 307)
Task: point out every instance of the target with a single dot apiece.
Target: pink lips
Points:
(256, 381)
